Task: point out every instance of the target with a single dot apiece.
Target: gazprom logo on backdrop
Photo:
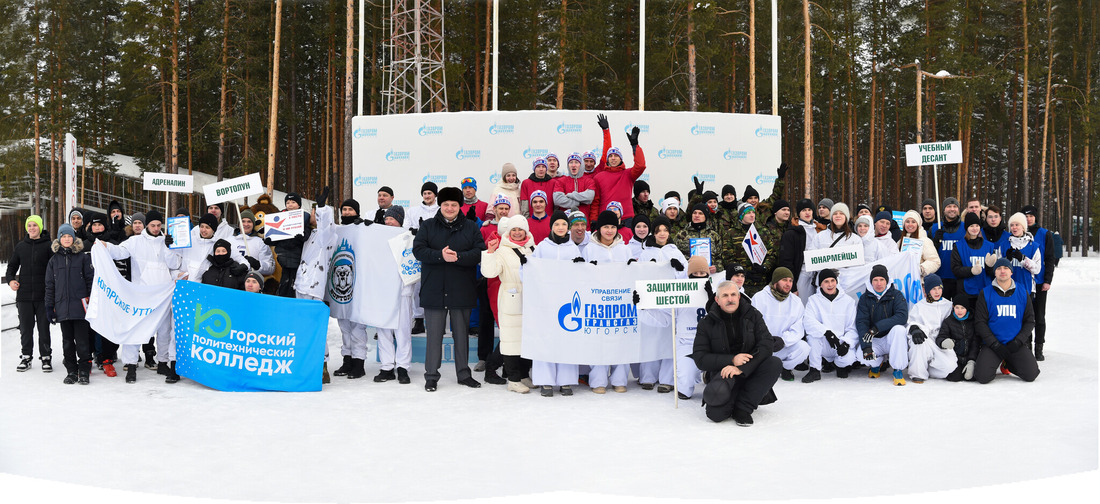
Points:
(567, 128)
(393, 155)
(702, 130)
(426, 130)
(765, 179)
(464, 154)
(643, 128)
(531, 153)
(644, 177)
(731, 154)
(403, 203)
(438, 179)
(705, 177)
(502, 129)
(603, 318)
(363, 180)
(365, 132)
(767, 132)
(666, 153)
(494, 178)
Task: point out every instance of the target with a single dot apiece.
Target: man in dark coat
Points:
(881, 316)
(1004, 319)
(31, 255)
(733, 346)
(449, 248)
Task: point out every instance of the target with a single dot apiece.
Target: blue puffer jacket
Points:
(882, 312)
(69, 277)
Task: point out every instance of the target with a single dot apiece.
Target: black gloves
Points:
(255, 264)
(782, 171)
(865, 344)
(1014, 345)
(917, 334)
(698, 186)
(51, 315)
(472, 213)
(842, 348)
(593, 262)
(1013, 253)
(832, 339)
(758, 269)
(267, 241)
(637, 298)
(578, 259)
(631, 260)
(413, 231)
(367, 222)
(1000, 350)
(167, 240)
(322, 197)
(602, 121)
(676, 264)
(633, 138)
(709, 289)
(522, 258)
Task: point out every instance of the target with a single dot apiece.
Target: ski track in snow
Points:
(360, 440)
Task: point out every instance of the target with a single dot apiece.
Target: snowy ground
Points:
(363, 441)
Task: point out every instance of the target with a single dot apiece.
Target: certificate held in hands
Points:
(180, 230)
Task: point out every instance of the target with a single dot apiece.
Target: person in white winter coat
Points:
(607, 246)
(926, 358)
(887, 244)
(830, 323)
(911, 228)
(837, 233)
(558, 246)
(353, 335)
(248, 244)
(427, 208)
(1023, 253)
(872, 248)
(509, 187)
(502, 259)
(151, 263)
(222, 228)
(194, 258)
(687, 322)
(659, 248)
(783, 315)
(312, 275)
(395, 345)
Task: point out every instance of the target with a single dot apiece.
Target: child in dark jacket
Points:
(224, 271)
(957, 333)
(69, 277)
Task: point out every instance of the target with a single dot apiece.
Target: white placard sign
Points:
(168, 182)
(719, 148)
(235, 188)
(671, 293)
(834, 257)
(933, 153)
(284, 225)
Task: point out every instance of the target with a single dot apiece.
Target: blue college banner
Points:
(238, 341)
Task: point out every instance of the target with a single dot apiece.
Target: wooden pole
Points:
(274, 124)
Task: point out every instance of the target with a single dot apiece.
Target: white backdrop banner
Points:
(585, 314)
(404, 151)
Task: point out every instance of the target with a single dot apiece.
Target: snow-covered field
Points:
(363, 441)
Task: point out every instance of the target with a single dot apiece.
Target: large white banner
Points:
(121, 311)
(580, 313)
(904, 269)
(404, 151)
(364, 284)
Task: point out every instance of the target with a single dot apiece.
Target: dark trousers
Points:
(747, 391)
(435, 321)
(1039, 305)
(76, 343)
(149, 348)
(487, 348)
(105, 350)
(1022, 363)
(950, 287)
(516, 368)
(286, 283)
(32, 313)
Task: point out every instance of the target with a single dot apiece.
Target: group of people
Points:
(985, 281)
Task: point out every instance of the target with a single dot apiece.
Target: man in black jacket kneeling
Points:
(734, 348)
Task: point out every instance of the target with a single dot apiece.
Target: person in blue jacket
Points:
(881, 316)
(1004, 319)
(946, 235)
(972, 258)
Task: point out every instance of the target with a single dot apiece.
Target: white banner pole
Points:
(359, 94)
(496, 48)
(675, 371)
(641, 58)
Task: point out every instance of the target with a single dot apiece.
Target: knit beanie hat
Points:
(1019, 218)
(669, 203)
(293, 196)
(506, 169)
(709, 195)
(577, 216)
(729, 189)
(950, 200)
(884, 215)
(749, 193)
(866, 219)
(880, 270)
(247, 214)
(781, 273)
(700, 207)
(257, 276)
(642, 218)
(65, 229)
(575, 157)
(138, 216)
(397, 212)
(350, 202)
(209, 220)
(1001, 263)
(552, 155)
(842, 208)
(75, 212)
(1029, 210)
(743, 209)
(615, 205)
(429, 186)
(537, 162)
(803, 204)
(780, 204)
(928, 202)
(468, 182)
(826, 274)
(931, 282)
(639, 186)
(558, 216)
(35, 219)
(502, 199)
(661, 220)
(607, 218)
(152, 216)
(697, 264)
(539, 193)
(826, 202)
(615, 151)
(386, 189)
(972, 218)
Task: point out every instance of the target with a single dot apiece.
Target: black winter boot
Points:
(171, 376)
(151, 361)
(418, 326)
(82, 377)
(162, 368)
(1039, 352)
(131, 373)
(385, 375)
(344, 368)
(492, 378)
(811, 376)
(355, 369)
(403, 376)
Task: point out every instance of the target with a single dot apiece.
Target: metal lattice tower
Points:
(415, 81)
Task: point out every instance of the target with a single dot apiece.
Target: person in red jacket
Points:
(615, 182)
(539, 221)
(469, 199)
(575, 190)
(540, 180)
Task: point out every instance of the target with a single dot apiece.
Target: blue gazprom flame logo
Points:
(565, 128)
(666, 153)
(705, 177)
(702, 130)
(765, 179)
(365, 180)
(397, 156)
(573, 308)
(463, 154)
(364, 132)
(644, 177)
(426, 130)
(731, 154)
(438, 179)
(767, 132)
(494, 178)
(532, 153)
(502, 129)
(643, 128)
